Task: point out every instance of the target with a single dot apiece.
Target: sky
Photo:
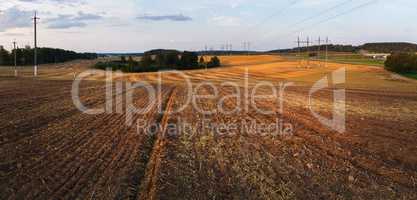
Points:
(140, 25)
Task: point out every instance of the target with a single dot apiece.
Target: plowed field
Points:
(51, 150)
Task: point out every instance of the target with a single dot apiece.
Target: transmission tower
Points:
(319, 41)
(327, 50)
(307, 42)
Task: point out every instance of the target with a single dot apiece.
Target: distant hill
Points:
(119, 54)
(388, 47)
(213, 52)
(161, 51)
(220, 52)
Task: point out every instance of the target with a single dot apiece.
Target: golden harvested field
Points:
(51, 150)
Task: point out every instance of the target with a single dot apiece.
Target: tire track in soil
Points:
(143, 185)
(123, 161)
(78, 185)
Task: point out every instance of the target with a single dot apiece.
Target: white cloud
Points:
(179, 17)
(70, 21)
(15, 18)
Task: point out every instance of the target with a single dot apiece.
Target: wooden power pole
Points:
(35, 59)
(15, 58)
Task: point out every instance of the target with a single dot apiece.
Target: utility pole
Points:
(15, 58)
(35, 70)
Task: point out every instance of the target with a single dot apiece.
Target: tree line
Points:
(390, 47)
(330, 47)
(387, 47)
(157, 60)
(25, 56)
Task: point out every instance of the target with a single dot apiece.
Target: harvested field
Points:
(51, 150)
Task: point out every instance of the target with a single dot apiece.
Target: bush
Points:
(401, 62)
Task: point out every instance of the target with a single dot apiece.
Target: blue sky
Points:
(139, 25)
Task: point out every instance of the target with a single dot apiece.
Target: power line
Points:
(338, 15)
(280, 12)
(329, 18)
(321, 13)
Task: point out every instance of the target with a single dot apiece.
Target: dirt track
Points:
(50, 150)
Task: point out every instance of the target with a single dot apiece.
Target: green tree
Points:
(147, 60)
(160, 59)
(45, 55)
(131, 64)
(4, 56)
(172, 59)
(202, 62)
(123, 59)
(189, 60)
(402, 62)
(214, 62)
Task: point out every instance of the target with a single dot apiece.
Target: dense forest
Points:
(25, 56)
(157, 60)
